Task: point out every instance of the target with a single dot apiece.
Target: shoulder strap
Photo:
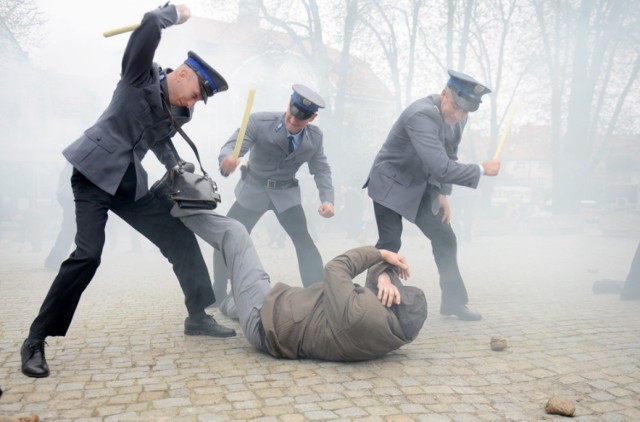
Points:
(185, 136)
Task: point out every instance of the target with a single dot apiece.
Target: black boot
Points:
(206, 325)
(34, 364)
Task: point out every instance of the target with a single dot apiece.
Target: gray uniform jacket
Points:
(420, 153)
(135, 120)
(335, 320)
(266, 139)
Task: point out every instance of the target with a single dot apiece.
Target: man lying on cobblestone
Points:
(335, 320)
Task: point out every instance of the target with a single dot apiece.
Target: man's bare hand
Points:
(446, 208)
(388, 293)
(326, 210)
(491, 168)
(184, 12)
(399, 261)
(229, 165)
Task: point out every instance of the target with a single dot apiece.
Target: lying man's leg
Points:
(249, 281)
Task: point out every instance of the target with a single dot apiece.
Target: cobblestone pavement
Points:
(125, 356)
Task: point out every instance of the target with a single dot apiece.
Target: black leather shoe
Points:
(34, 364)
(461, 311)
(206, 326)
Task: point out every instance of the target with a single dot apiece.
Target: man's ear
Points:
(183, 73)
(312, 118)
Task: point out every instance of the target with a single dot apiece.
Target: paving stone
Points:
(125, 356)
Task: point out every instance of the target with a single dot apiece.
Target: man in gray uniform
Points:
(414, 171)
(280, 143)
(108, 175)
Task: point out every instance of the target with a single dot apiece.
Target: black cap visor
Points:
(298, 112)
(464, 103)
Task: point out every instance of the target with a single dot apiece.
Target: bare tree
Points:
(305, 31)
(350, 22)
(18, 21)
(581, 42)
(395, 27)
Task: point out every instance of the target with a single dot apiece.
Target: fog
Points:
(70, 70)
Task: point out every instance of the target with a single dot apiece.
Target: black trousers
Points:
(64, 240)
(443, 244)
(294, 222)
(148, 216)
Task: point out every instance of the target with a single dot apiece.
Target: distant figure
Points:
(62, 246)
(279, 144)
(628, 289)
(108, 176)
(414, 171)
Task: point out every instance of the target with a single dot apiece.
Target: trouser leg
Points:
(178, 244)
(64, 240)
(445, 251)
(248, 218)
(58, 308)
(389, 228)
(309, 260)
(249, 281)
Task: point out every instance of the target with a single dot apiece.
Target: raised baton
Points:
(245, 121)
(505, 132)
(121, 30)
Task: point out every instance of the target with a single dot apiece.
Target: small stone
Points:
(498, 343)
(558, 405)
(30, 418)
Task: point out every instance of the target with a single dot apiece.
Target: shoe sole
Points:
(31, 375)
(204, 333)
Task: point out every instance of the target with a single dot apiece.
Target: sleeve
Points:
(166, 153)
(343, 296)
(423, 131)
(247, 142)
(142, 45)
(321, 171)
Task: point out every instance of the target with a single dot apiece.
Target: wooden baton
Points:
(505, 132)
(245, 121)
(121, 30)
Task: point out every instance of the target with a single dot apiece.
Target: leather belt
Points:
(268, 183)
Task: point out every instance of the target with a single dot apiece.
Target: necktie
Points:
(291, 146)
